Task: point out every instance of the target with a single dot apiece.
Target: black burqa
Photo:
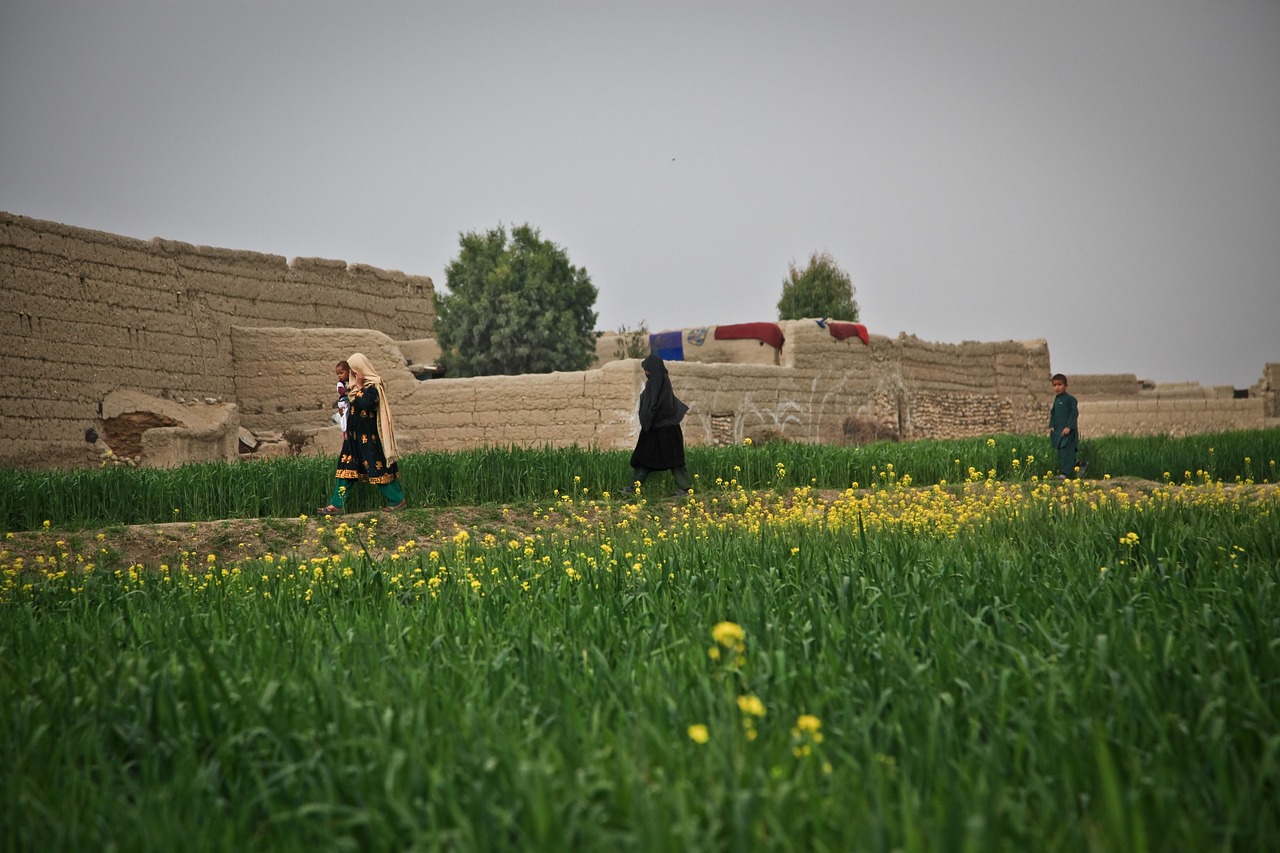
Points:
(661, 443)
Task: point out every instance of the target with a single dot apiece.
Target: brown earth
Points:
(190, 543)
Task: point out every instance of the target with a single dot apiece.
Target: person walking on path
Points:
(1063, 433)
(369, 450)
(661, 443)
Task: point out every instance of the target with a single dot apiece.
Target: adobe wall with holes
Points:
(86, 313)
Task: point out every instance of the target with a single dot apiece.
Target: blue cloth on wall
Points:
(668, 346)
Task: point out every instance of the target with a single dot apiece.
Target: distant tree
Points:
(821, 289)
(515, 306)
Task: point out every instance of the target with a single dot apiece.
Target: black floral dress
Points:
(362, 456)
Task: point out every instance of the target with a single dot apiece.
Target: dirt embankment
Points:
(380, 534)
(231, 540)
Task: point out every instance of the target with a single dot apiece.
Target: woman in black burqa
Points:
(661, 443)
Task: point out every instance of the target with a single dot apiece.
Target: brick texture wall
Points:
(1180, 415)
(86, 313)
(910, 387)
(284, 380)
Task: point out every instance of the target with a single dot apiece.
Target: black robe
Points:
(661, 443)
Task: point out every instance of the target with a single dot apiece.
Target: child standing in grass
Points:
(1063, 434)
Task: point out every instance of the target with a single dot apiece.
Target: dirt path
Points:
(230, 540)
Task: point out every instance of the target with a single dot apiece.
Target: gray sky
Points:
(1104, 174)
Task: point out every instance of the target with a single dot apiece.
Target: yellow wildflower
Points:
(808, 723)
(728, 634)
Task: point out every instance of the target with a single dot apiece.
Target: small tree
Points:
(515, 306)
(821, 289)
(632, 343)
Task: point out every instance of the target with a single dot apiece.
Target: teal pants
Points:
(392, 492)
(1066, 446)
(680, 474)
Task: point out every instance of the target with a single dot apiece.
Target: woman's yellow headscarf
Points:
(359, 363)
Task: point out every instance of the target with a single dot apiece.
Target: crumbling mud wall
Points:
(150, 432)
(86, 313)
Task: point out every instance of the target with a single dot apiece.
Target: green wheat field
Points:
(925, 646)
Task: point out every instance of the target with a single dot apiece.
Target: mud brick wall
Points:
(1181, 408)
(911, 387)
(590, 408)
(1103, 385)
(928, 389)
(730, 402)
(284, 380)
(1177, 415)
(1168, 390)
(86, 313)
(1268, 389)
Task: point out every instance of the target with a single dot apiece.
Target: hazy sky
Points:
(1104, 174)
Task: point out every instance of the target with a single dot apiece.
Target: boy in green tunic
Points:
(1063, 434)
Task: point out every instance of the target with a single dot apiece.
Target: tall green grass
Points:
(296, 486)
(992, 690)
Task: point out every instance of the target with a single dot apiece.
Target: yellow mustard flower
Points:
(728, 634)
(808, 723)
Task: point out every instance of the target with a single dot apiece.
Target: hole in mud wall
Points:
(722, 429)
(123, 434)
(864, 429)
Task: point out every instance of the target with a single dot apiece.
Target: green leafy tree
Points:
(821, 289)
(515, 306)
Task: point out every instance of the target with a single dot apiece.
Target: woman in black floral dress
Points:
(369, 451)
